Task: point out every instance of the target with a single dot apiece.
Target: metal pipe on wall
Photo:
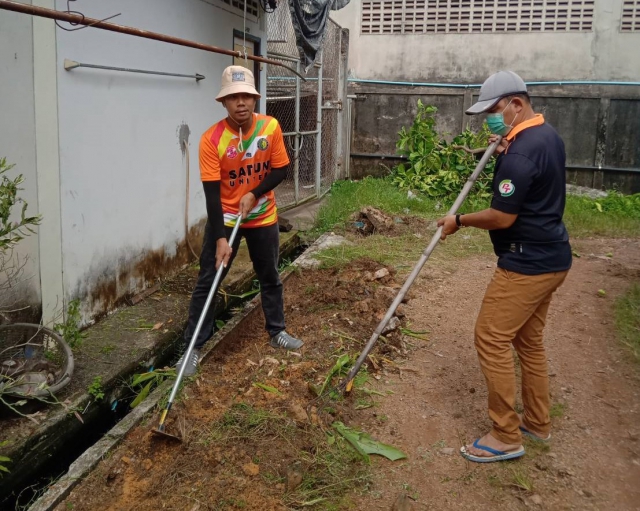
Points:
(478, 85)
(296, 163)
(80, 19)
(375, 156)
(72, 64)
(319, 135)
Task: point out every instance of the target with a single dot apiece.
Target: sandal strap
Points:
(488, 449)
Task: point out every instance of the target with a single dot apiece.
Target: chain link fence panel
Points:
(312, 140)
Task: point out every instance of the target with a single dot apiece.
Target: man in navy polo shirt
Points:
(534, 257)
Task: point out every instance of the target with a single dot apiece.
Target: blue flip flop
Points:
(528, 433)
(497, 455)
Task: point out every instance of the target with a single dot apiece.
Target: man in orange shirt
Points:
(242, 159)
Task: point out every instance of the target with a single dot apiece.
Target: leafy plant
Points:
(434, 166)
(11, 232)
(615, 202)
(151, 380)
(4, 459)
(95, 389)
(70, 328)
(13, 228)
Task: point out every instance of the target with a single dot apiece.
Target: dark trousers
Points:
(264, 247)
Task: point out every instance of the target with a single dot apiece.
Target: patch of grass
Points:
(244, 422)
(330, 469)
(348, 197)
(107, 349)
(627, 316)
(403, 251)
(536, 447)
(614, 216)
(521, 480)
(557, 410)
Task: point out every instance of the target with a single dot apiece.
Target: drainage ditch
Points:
(104, 417)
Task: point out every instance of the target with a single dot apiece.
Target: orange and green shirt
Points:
(239, 172)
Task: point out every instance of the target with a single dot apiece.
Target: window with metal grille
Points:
(479, 16)
(237, 7)
(630, 21)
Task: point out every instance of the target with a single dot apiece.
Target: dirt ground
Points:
(251, 448)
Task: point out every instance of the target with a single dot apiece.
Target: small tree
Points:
(436, 167)
(13, 228)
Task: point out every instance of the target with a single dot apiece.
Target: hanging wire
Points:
(244, 33)
(74, 23)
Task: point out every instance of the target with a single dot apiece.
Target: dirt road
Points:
(245, 445)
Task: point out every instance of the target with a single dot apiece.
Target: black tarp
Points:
(309, 18)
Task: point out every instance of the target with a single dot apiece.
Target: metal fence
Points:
(309, 111)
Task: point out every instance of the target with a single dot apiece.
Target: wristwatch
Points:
(458, 222)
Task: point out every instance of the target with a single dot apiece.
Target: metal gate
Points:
(310, 112)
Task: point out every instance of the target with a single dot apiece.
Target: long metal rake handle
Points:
(207, 304)
(416, 270)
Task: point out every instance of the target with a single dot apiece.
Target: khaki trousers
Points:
(514, 311)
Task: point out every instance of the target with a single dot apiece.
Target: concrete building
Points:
(440, 50)
(101, 149)
(463, 41)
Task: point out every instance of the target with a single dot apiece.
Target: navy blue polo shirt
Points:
(529, 180)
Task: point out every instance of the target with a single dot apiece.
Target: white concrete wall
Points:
(603, 54)
(17, 142)
(122, 172)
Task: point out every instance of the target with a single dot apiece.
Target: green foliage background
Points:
(434, 166)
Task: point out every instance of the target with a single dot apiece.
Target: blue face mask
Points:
(496, 123)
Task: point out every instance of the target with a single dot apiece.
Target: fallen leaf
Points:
(366, 445)
(157, 326)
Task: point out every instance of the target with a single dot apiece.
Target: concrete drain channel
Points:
(108, 424)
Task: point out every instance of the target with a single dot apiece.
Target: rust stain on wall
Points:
(130, 276)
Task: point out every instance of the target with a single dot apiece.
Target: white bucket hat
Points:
(237, 80)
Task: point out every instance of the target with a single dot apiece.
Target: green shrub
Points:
(615, 202)
(11, 232)
(69, 329)
(436, 167)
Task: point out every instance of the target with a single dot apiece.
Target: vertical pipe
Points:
(296, 143)
(339, 113)
(347, 156)
(319, 128)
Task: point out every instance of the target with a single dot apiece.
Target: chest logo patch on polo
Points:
(506, 188)
(263, 144)
(231, 152)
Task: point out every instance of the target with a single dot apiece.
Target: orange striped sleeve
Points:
(209, 158)
(279, 156)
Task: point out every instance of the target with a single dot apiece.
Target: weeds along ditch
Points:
(103, 415)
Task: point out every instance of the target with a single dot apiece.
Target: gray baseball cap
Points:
(496, 87)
